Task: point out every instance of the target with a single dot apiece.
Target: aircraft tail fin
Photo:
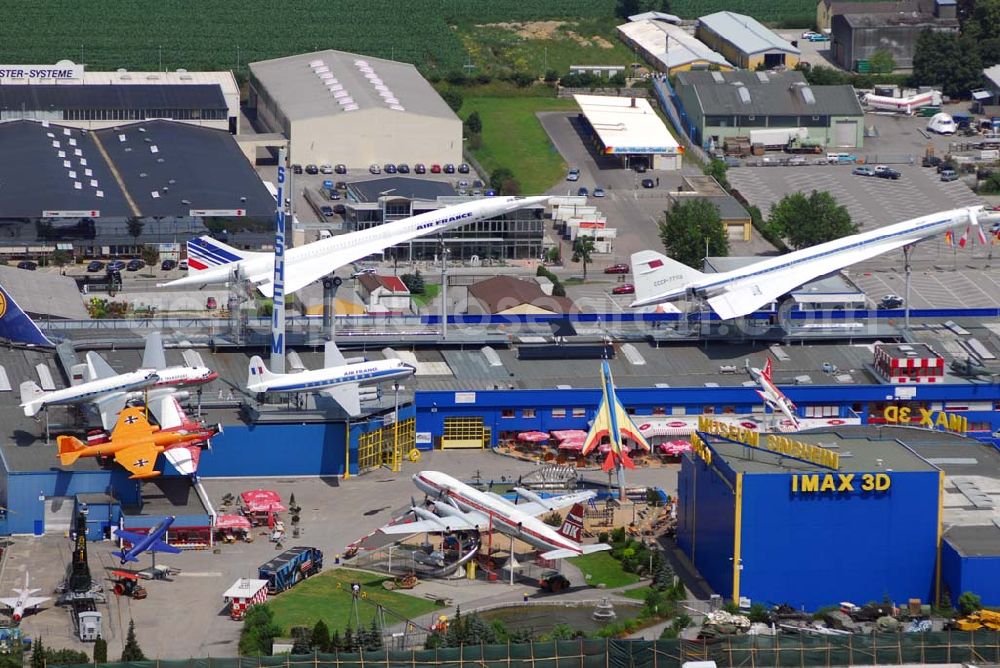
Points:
(70, 448)
(572, 526)
(766, 371)
(655, 274)
(258, 374)
(31, 397)
(124, 556)
(16, 326)
(207, 253)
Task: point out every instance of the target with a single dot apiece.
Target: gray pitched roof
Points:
(745, 33)
(768, 94)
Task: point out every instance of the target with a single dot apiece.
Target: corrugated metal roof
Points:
(745, 33)
(43, 294)
(669, 44)
(655, 16)
(992, 74)
(780, 95)
(135, 96)
(311, 85)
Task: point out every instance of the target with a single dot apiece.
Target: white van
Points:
(942, 124)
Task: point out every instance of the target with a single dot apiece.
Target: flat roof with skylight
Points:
(627, 125)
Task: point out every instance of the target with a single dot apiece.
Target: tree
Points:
(150, 255)
(319, 640)
(301, 640)
(688, 226)
(373, 641)
(350, 644)
(38, 654)
(100, 650)
(61, 258)
(65, 657)
(968, 603)
(717, 170)
(453, 98)
(989, 51)
(949, 60)
(553, 519)
(558, 290)
(132, 651)
(881, 62)
(474, 124)
(134, 226)
(583, 248)
(414, 282)
(551, 76)
(259, 631)
(810, 220)
(983, 21)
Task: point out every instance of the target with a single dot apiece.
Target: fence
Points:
(979, 647)
(671, 106)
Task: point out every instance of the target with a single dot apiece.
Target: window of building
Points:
(708, 410)
(659, 410)
(558, 412)
(528, 412)
(579, 412)
(728, 410)
(507, 413)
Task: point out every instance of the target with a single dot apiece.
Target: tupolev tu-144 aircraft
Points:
(732, 294)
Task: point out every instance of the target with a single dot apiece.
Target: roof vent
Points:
(99, 193)
(807, 95)
(128, 149)
(121, 70)
(397, 107)
(315, 63)
(165, 188)
(763, 78)
(147, 140)
(154, 195)
(718, 78)
(143, 175)
(243, 199)
(744, 93)
(159, 159)
(142, 129)
(153, 149)
(181, 70)
(350, 107)
(172, 181)
(340, 93)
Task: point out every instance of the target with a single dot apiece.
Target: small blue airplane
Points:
(150, 542)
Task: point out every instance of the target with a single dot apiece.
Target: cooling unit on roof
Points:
(66, 132)
(334, 87)
(155, 195)
(78, 186)
(50, 135)
(61, 154)
(72, 174)
(93, 183)
(326, 76)
(315, 63)
(391, 100)
(321, 70)
(340, 93)
(67, 164)
(344, 101)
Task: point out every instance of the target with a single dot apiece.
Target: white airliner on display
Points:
(770, 393)
(736, 293)
(210, 261)
(460, 507)
(110, 391)
(339, 379)
(24, 600)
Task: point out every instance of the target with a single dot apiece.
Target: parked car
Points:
(808, 33)
(168, 265)
(340, 185)
(815, 36)
(389, 168)
(863, 171)
(183, 265)
(135, 265)
(573, 175)
(476, 183)
(463, 184)
(403, 168)
(95, 265)
(463, 168)
(296, 169)
(375, 169)
(949, 175)
(891, 301)
(887, 173)
(449, 168)
(419, 168)
(625, 289)
(211, 303)
(328, 185)
(116, 265)
(327, 211)
(616, 269)
(340, 169)
(27, 264)
(648, 183)
(334, 195)
(931, 161)
(435, 169)
(598, 192)
(553, 581)
(582, 192)
(312, 169)
(326, 169)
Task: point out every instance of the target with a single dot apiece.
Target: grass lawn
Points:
(327, 596)
(639, 593)
(431, 290)
(514, 138)
(602, 567)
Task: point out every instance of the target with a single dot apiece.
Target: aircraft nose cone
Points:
(17, 618)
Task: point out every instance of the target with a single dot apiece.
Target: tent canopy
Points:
(262, 501)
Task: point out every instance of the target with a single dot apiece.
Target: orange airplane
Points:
(134, 443)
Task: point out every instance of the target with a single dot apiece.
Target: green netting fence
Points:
(755, 651)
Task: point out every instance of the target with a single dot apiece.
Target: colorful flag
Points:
(982, 235)
(949, 238)
(964, 239)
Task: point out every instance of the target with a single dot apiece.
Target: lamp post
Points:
(395, 426)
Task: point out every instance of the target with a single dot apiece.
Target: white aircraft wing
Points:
(332, 355)
(164, 407)
(109, 407)
(463, 522)
(9, 602)
(746, 295)
(32, 601)
(98, 367)
(347, 396)
(154, 357)
(554, 503)
(184, 458)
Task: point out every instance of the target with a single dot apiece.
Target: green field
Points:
(328, 597)
(168, 34)
(603, 568)
(514, 138)
(432, 34)
(538, 47)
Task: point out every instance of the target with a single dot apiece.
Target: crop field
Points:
(435, 35)
(224, 34)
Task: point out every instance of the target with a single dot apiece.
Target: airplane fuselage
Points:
(365, 373)
(773, 396)
(96, 389)
(501, 515)
(155, 534)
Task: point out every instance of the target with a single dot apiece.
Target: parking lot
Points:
(962, 287)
